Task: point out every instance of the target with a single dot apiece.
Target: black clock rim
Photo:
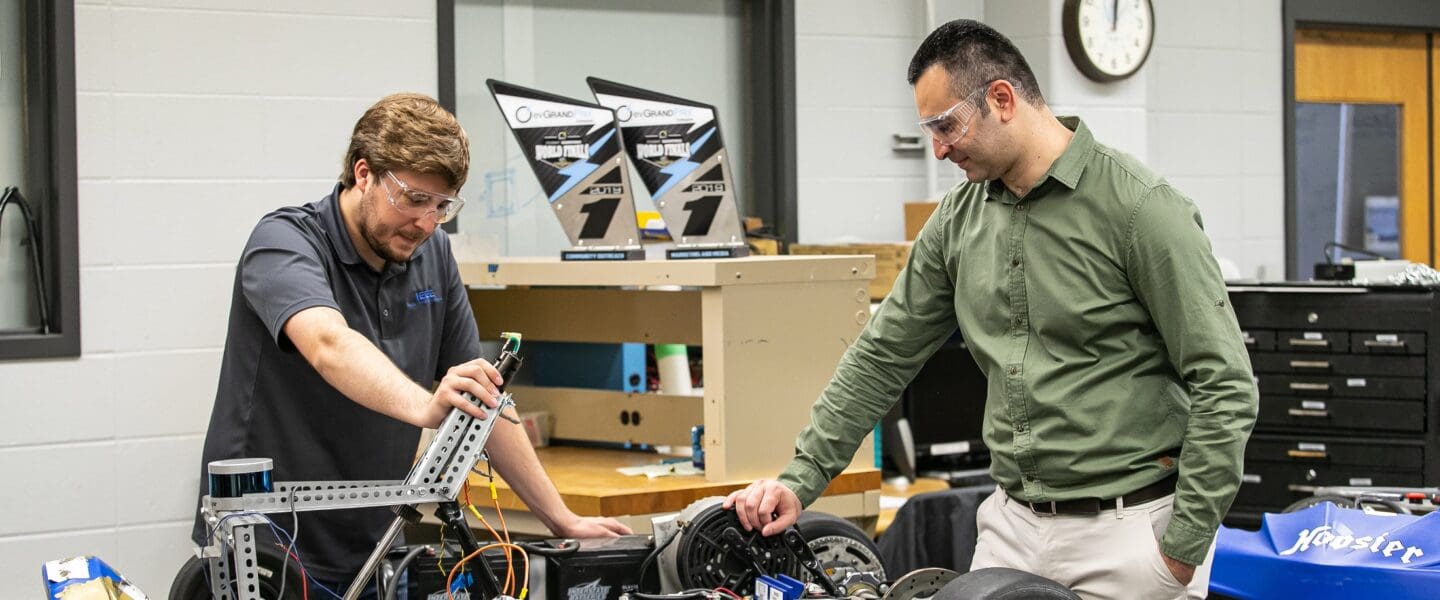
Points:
(1070, 28)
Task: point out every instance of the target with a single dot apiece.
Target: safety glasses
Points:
(949, 126)
(418, 204)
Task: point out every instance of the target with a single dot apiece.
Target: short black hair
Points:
(974, 54)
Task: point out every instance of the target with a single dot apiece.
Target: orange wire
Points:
(524, 588)
(495, 498)
(509, 563)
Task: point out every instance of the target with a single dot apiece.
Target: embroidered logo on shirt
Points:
(426, 296)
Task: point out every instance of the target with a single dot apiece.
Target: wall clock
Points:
(1108, 40)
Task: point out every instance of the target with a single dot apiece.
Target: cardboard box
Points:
(537, 427)
(889, 261)
(916, 213)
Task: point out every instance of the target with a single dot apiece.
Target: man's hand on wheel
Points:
(766, 504)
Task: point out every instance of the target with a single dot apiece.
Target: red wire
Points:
(727, 591)
(304, 579)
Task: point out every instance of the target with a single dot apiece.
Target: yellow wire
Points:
(524, 589)
(495, 498)
(440, 556)
(509, 562)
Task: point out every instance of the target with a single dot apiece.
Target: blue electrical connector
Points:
(779, 587)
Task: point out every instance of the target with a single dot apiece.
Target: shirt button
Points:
(1018, 322)
(1014, 371)
(1015, 262)
(385, 312)
(1020, 428)
(1020, 207)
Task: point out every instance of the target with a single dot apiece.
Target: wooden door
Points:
(1381, 67)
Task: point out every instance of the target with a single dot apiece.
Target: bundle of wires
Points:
(502, 541)
(291, 551)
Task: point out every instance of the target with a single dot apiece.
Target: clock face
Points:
(1108, 39)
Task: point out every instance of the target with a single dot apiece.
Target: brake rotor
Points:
(840, 556)
(924, 583)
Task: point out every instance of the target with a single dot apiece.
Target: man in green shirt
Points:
(1119, 395)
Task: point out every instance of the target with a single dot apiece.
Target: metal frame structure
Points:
(437, 477)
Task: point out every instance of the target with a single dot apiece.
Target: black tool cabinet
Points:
(1348, 390)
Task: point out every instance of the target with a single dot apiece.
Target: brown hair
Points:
(409, 131)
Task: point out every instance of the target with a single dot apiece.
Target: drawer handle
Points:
(1309, 387)
(1302, 412)
(1310, 343)
(1384, 344)
(1305, 453)
(1303, 489)
(1310, 364)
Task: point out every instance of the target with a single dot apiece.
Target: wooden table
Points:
(891, 490)
(590, 486)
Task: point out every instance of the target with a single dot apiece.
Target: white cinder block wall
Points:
(1215, 125)
(194, 118)
(1205, 112)
(851, 98)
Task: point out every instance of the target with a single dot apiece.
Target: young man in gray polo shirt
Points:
(1120, 396)
(345, 313)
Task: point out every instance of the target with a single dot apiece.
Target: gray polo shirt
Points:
(271, 403)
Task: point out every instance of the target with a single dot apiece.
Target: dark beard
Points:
(380, 249)
(368, 216)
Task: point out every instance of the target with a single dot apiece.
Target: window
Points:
(737, 55)
(39, 276)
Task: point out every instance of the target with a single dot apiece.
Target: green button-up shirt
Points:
(1096, 311)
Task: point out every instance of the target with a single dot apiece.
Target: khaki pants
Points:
(1113, 555)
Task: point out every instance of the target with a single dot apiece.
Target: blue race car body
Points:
(1327, 552)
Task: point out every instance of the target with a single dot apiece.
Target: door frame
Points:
(1412, 15)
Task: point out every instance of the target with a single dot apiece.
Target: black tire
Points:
(1389, 505)
(192, 583)
(815, 525)
(1337, 500)
(999, 583)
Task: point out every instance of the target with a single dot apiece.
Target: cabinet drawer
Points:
(1390, 388)
(1338, 364)
(1294, 340)
(1343, 308)
(1332, 451)
(1258, 340)
(1273, 486)
(1342, 414)
(1380, 342)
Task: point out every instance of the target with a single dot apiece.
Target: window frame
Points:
(770, 29)
(1416, 15)
(49, 99)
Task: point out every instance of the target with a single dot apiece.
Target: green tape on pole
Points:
(668, 350)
